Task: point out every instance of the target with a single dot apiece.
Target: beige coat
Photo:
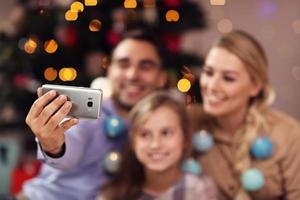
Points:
(281, 171)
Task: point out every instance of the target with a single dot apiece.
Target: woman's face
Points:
(226, 85)
(158, 143)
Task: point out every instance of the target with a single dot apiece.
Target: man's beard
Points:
(122, 105)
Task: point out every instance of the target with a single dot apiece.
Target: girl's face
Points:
(226, 85)
(158, 143)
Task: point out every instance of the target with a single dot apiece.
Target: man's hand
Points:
(44, 118)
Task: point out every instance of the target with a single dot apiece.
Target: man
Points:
(73, 157)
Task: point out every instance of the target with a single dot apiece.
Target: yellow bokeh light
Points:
(130, 4)
(95, 25)
(71, 16)
(225, 26)
(113, 156)
(172, 16)
(296, 26)
(67, 74)
(77, 6)
(90, 2)
(217, 2)
(50, 46)
(30, 46)
(50, 74)
(183, 85)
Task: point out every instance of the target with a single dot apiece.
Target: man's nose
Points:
(132, 72)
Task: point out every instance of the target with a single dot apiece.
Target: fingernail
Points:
(52, 92)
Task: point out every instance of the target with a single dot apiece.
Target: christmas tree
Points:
(68, 42)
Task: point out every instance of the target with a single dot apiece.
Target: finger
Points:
(63, 127)
(39, 92)
(39, 104)
(59, 105)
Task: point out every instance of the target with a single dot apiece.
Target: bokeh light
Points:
(30, 46)
(50, 74)
(67, 74)
(71, 16)
(113, 156)
(183, 85)
(95, 25)
(50, 46)
(296, 26)
(77, 6)
(267, 8)
(90, 2)
(130, 4)
(217, 2)
(225, 26)
(172, 16)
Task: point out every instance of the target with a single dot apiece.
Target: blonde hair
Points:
(251, 53)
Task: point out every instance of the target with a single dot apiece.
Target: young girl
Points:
(151, 165)
(256, 148)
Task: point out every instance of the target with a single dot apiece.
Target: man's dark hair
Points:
(149, 36)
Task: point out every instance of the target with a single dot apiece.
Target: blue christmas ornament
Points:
(203, 141)
(262, 147)
(191, 166)
(114, 126)
(111, 162)
(252, 180)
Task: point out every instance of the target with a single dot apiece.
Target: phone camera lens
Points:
(90, 104)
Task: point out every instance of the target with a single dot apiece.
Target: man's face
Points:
(135, 71)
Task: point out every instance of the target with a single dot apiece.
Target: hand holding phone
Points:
(86, 102)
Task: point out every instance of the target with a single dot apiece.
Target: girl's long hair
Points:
(129, 181)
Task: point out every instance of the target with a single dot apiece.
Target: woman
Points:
(256, 150)
(151, 166)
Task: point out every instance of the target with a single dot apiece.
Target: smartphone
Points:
(86, 102)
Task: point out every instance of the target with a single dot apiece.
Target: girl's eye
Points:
(144, 134)
(228, 78)
(167, 132)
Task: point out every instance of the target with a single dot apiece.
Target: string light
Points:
(225, 26)
(172, 16)
(90, 2)
(217, 2)
(50, 46)
(50, 74)
(95, 25)
(77, 6)
(183, 85)
(67, 74)
(71, 16)
(130, 4)
(30, 46)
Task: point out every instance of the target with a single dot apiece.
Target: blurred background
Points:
(69, 42)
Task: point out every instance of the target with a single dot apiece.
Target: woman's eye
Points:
(207, 72)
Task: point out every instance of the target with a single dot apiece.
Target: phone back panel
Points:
(86, 102)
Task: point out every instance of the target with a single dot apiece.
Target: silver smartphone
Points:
(86, 102)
